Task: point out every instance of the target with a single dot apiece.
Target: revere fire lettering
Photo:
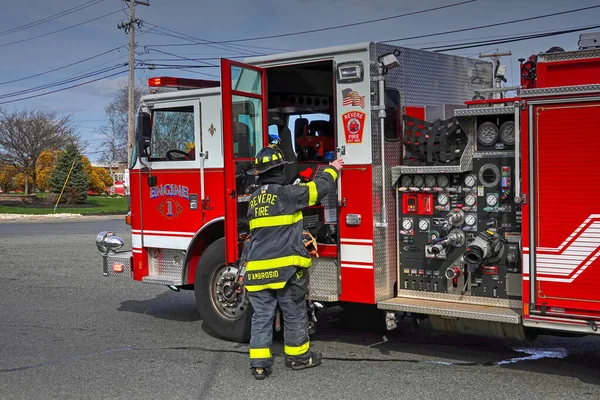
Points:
(170, 190)
(261, 203)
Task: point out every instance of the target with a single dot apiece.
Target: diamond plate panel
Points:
(453, 310)
(329, 203)
(568, 55)
(473, 112)
(501, 154)
(454, 298)
(561, 90)
(166, 265)
(121, 258)
(423, 78)
(324, 277)
(158, 281)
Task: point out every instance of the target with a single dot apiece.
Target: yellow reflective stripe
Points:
(332, 172)
(257, 288)
(277, 220)
(280, 262)
(265, 159)
(260, 353)
(296, 350)
(275, 157)
(312, 193)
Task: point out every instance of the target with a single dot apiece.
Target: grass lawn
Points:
(94, 205)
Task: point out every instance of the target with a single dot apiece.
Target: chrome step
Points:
(158, 281)
(452, 310)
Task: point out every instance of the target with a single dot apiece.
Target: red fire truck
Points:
(457, 202)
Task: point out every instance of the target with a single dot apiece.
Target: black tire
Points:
(235, 330)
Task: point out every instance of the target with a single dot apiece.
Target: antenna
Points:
(499, 70)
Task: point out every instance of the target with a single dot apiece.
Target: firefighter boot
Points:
(261, 373)
(313, 360)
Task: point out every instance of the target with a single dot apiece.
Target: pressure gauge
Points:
(507, 133)
(470, 219)
(424, 225)
(406, 181)
(470, 199)
(487, 133)
(491, 200)
(430, 181)
(442, 181)
(407, 224)
(443, 199)
(470, 181)
(418, 181)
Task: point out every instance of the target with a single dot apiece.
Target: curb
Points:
(40, 218)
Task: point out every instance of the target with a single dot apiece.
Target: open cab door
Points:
(244, 102)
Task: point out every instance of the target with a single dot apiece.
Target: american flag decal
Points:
(353, 98)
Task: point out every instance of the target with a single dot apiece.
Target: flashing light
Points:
(182, 83)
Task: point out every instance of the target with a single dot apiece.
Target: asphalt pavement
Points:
(67, 332)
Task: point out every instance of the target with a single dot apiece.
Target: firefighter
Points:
(275, 261)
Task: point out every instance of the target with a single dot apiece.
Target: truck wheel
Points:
(230, 319)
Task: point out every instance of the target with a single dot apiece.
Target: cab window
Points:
(247, 127)
(172, 134)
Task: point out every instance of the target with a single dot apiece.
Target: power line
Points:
(59, 68)
(63, 89)
(453, 42)
(152, 68)
(190, 59)
(304, 32)
(229, 47)
(51, 17)
(156, 66)
(59, 30)
(61, 81)
(190, 38)
(177, 56)
(469, 45)
(492, 25)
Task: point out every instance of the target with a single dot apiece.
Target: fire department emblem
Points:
(212, 129)
(354, 123)
(170, 209)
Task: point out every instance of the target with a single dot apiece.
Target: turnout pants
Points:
(292, 302)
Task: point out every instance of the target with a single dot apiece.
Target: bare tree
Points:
(114, 149)
(25, 134)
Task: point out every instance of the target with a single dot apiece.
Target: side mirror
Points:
(142, 132)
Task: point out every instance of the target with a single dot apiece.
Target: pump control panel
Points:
(459, 233)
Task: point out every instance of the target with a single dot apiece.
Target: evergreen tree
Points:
(78, 184)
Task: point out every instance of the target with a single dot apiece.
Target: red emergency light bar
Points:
(169, 81)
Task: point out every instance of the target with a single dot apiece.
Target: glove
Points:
(310, 243)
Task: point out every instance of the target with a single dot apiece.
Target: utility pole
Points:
(130, 28)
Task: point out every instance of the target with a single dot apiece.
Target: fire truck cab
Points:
(443, 195)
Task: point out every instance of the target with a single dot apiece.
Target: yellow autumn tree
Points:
(104, 176)
(7, 177)
(99, 178)
(20, 181)
(44, 167)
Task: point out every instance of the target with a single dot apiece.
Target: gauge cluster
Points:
(441, 215)
(495, 133)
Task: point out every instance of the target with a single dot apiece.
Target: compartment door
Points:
(565, 207)
(244, 102)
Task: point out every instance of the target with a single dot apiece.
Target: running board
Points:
(159, 281)
(452, 310)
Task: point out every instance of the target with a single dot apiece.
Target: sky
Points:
(39, 50)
